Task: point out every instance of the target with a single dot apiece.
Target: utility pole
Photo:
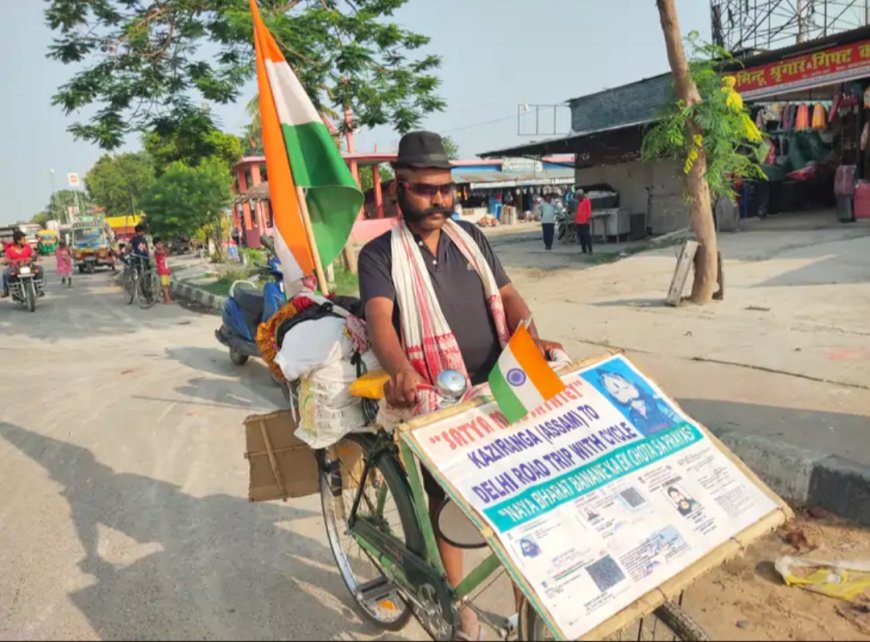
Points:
(51, 195)
(348, 252)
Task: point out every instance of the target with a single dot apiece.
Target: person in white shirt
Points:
(548, 220)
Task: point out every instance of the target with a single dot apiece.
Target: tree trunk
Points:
(696, 181)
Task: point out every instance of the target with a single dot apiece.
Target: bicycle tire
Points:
(388, 467)
(680, 624)
(144, 298)
(130, 283)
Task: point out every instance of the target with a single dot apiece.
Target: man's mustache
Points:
(429, 211)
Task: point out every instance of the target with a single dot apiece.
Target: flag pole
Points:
(309, 231)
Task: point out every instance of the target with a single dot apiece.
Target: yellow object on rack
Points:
(370, 385)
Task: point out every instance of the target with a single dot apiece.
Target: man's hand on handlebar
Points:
(546, 347)
(401, 390)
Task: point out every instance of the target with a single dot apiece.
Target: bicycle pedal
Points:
(376, 591)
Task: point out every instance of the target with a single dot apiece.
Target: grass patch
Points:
(346, 284)
(253, 256)
(599, 258)
(220, 287)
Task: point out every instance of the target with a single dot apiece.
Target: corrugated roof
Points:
(513, 179)
(631, 104)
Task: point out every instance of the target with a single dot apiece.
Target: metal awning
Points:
(619, 144)
(499, 180)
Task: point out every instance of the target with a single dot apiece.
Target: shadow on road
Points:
(253, 377)
(226, 568)
(215, 361)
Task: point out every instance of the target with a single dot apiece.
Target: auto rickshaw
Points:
(91, 244)
(47, 242)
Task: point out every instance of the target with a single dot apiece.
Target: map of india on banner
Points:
(598, 496)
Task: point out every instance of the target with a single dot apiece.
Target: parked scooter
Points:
(24, 287)
(247, 307)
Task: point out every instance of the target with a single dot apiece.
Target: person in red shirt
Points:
(582, 220)
(17, 253)
(163, 270)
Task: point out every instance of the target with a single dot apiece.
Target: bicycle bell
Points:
(451, 384)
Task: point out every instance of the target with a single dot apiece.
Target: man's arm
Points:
(378, 295)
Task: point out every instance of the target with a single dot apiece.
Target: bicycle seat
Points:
(370, 385)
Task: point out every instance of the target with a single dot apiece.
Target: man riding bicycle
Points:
(436, 297)
(137, 251)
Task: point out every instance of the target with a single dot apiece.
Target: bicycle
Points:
(381, 511)
(140, 281)
(148, 287)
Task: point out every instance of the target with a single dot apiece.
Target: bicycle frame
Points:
(408, 570)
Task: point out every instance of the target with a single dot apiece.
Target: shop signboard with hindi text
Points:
(597, 498)
(827, 66)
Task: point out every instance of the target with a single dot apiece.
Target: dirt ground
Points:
(746, 599)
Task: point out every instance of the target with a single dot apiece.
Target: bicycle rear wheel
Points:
(668, 622)
(148, 289)
(128, 284)
(386, 503)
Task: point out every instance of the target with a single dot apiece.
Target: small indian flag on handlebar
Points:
(522, 379)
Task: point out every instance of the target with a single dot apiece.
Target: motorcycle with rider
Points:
(23, 278)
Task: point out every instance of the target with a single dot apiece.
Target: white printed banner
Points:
(599, 496)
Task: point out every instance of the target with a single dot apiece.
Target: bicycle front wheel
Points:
(668, 622)
(148, 289)
(385, 502)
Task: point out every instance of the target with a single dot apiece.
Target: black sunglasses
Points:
(425, 189)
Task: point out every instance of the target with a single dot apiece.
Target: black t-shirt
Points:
(136, 242)
(457, 286)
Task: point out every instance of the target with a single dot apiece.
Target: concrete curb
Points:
(806, 477)
(181, 290)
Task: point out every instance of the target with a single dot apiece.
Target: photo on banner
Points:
(633, 397)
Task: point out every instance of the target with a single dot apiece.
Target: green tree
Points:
(118, 182)
(40, 218)
(148, 66)
(190, 141)
(451, 148)
(709, 132)
(60, 202)
(253, 137)
(187, 198)
(365, 176)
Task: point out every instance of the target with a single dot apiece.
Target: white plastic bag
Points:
(310, 345)
(326, 409)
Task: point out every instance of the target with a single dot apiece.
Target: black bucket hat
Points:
(421, 150)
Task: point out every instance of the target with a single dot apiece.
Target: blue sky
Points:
(496, 54)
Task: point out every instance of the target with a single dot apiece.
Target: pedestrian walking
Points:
(64, 259)
(583, 219)
(163, 270)
(548, 220)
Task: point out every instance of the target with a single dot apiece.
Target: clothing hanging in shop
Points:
(818, 116)
(802, 119)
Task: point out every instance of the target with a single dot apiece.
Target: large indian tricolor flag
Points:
(522, 379)
(300, 152)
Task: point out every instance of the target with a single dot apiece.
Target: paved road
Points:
(124, 510)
